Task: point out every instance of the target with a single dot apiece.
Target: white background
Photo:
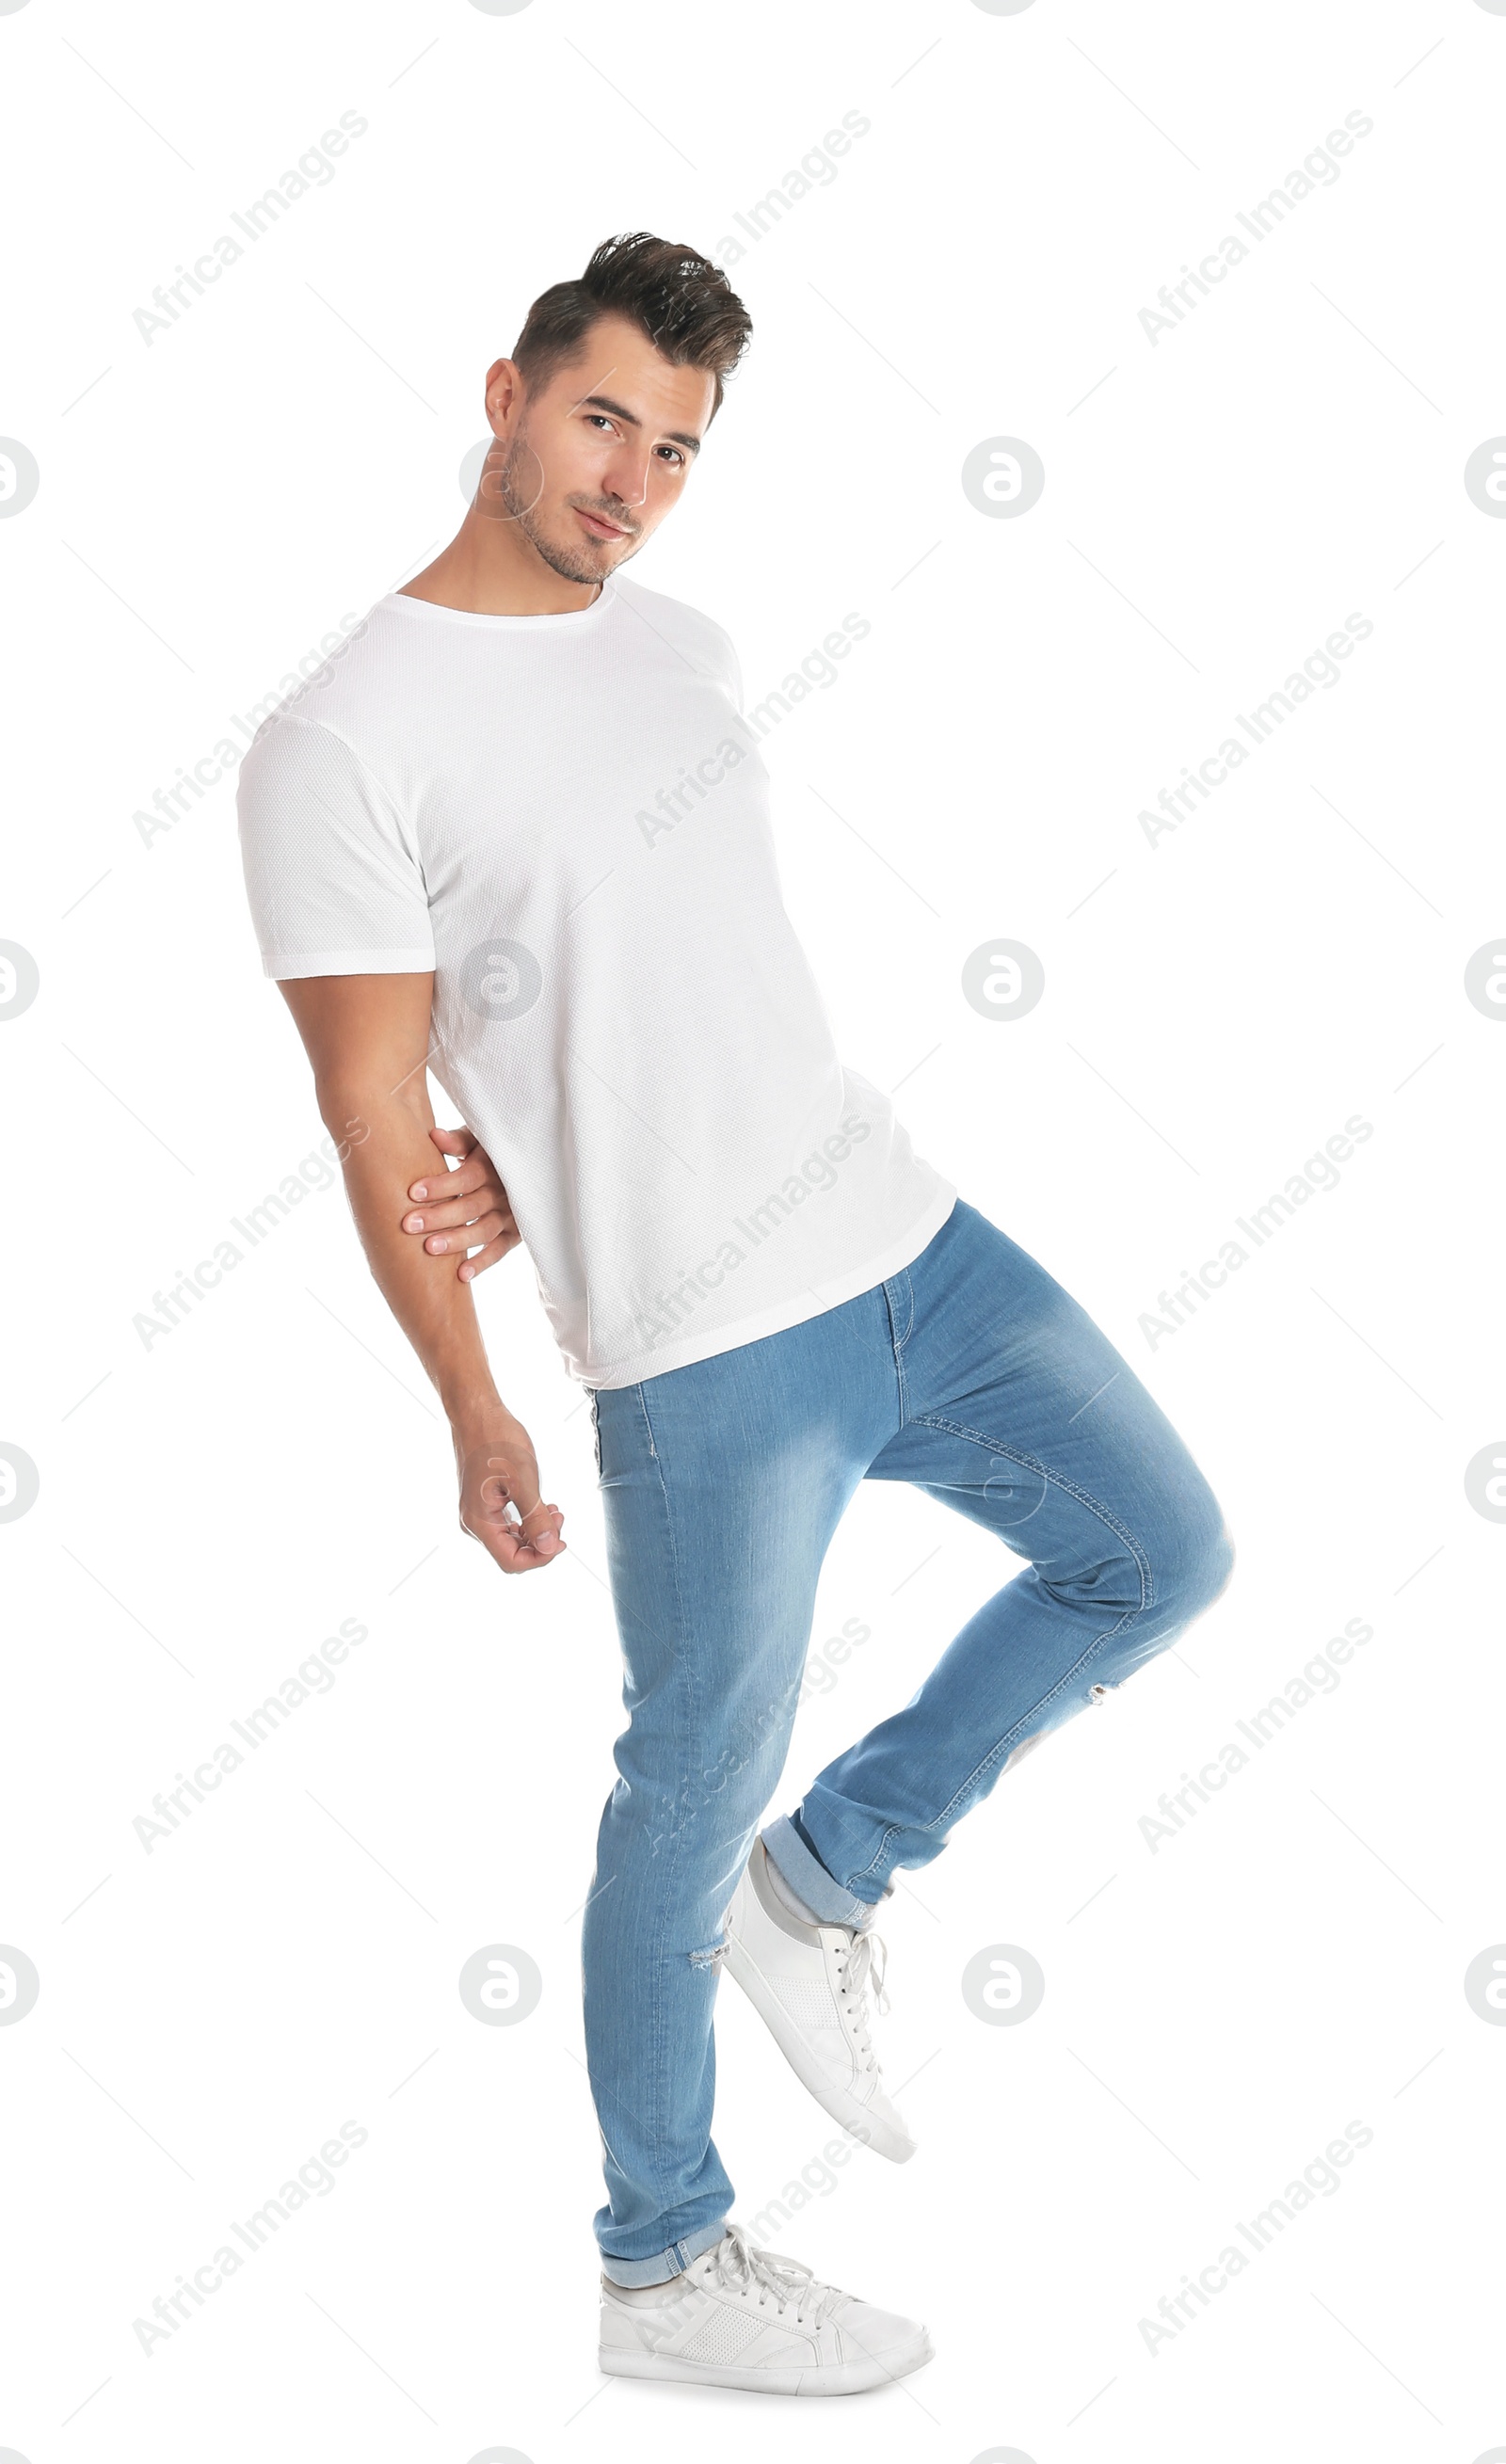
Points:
(1217, 1004)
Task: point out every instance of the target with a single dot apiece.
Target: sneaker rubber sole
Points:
(832, 2378)
(869, 2129)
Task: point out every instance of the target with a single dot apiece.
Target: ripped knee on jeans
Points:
(712, 1958)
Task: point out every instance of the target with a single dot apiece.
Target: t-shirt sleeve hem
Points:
(284, 964)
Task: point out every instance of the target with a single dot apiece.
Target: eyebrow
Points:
(618, 410)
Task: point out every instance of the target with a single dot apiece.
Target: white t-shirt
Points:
(566, 817)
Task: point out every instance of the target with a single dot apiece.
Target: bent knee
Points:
(1204, 1567)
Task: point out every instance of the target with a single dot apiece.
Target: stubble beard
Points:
(514, 482)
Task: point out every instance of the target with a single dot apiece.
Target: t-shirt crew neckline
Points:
(566, 620)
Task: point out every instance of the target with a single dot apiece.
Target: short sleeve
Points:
(334, 879)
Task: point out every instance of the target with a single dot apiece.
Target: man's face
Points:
(589, 466)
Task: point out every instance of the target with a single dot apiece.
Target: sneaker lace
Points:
(747, 2271)
(861, 1964)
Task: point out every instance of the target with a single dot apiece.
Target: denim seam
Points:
(685, 1673)
(899, 1340)
(676, 2251)
(1058, 1480)
(978, 1436)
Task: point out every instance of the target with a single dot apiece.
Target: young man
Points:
(518, 832)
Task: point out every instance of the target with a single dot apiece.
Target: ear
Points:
(504, 388)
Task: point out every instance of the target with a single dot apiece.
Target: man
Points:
(518, 832)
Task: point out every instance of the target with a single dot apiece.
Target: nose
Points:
(626, 476)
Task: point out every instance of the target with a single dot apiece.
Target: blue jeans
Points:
(972, 1374)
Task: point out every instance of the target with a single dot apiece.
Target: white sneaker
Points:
(741, 2318)
(809, 1984)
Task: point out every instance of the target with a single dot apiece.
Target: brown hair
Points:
(681, 302)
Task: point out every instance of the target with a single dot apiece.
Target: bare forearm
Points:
(367, 1037)
(435, 1310)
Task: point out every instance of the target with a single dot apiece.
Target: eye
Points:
(671, 452)
(599, 416)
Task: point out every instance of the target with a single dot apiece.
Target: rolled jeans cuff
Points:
(669, 2263)
(807, 1878)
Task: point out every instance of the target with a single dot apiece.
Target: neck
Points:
(491, 569)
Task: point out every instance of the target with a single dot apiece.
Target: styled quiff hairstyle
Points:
(681, 302)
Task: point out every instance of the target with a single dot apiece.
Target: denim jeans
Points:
(975, 1377)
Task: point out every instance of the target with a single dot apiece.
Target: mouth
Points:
(598, 527)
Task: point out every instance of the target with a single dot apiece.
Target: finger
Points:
(515, 1557)
(543, 1520)
(458, 1141)
(460, 1212)
(500, 1506)
(540, 1530)
(501, 1247)
(470, 1236)
(515, 1551)
(477, 1173)
(512, 1538)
